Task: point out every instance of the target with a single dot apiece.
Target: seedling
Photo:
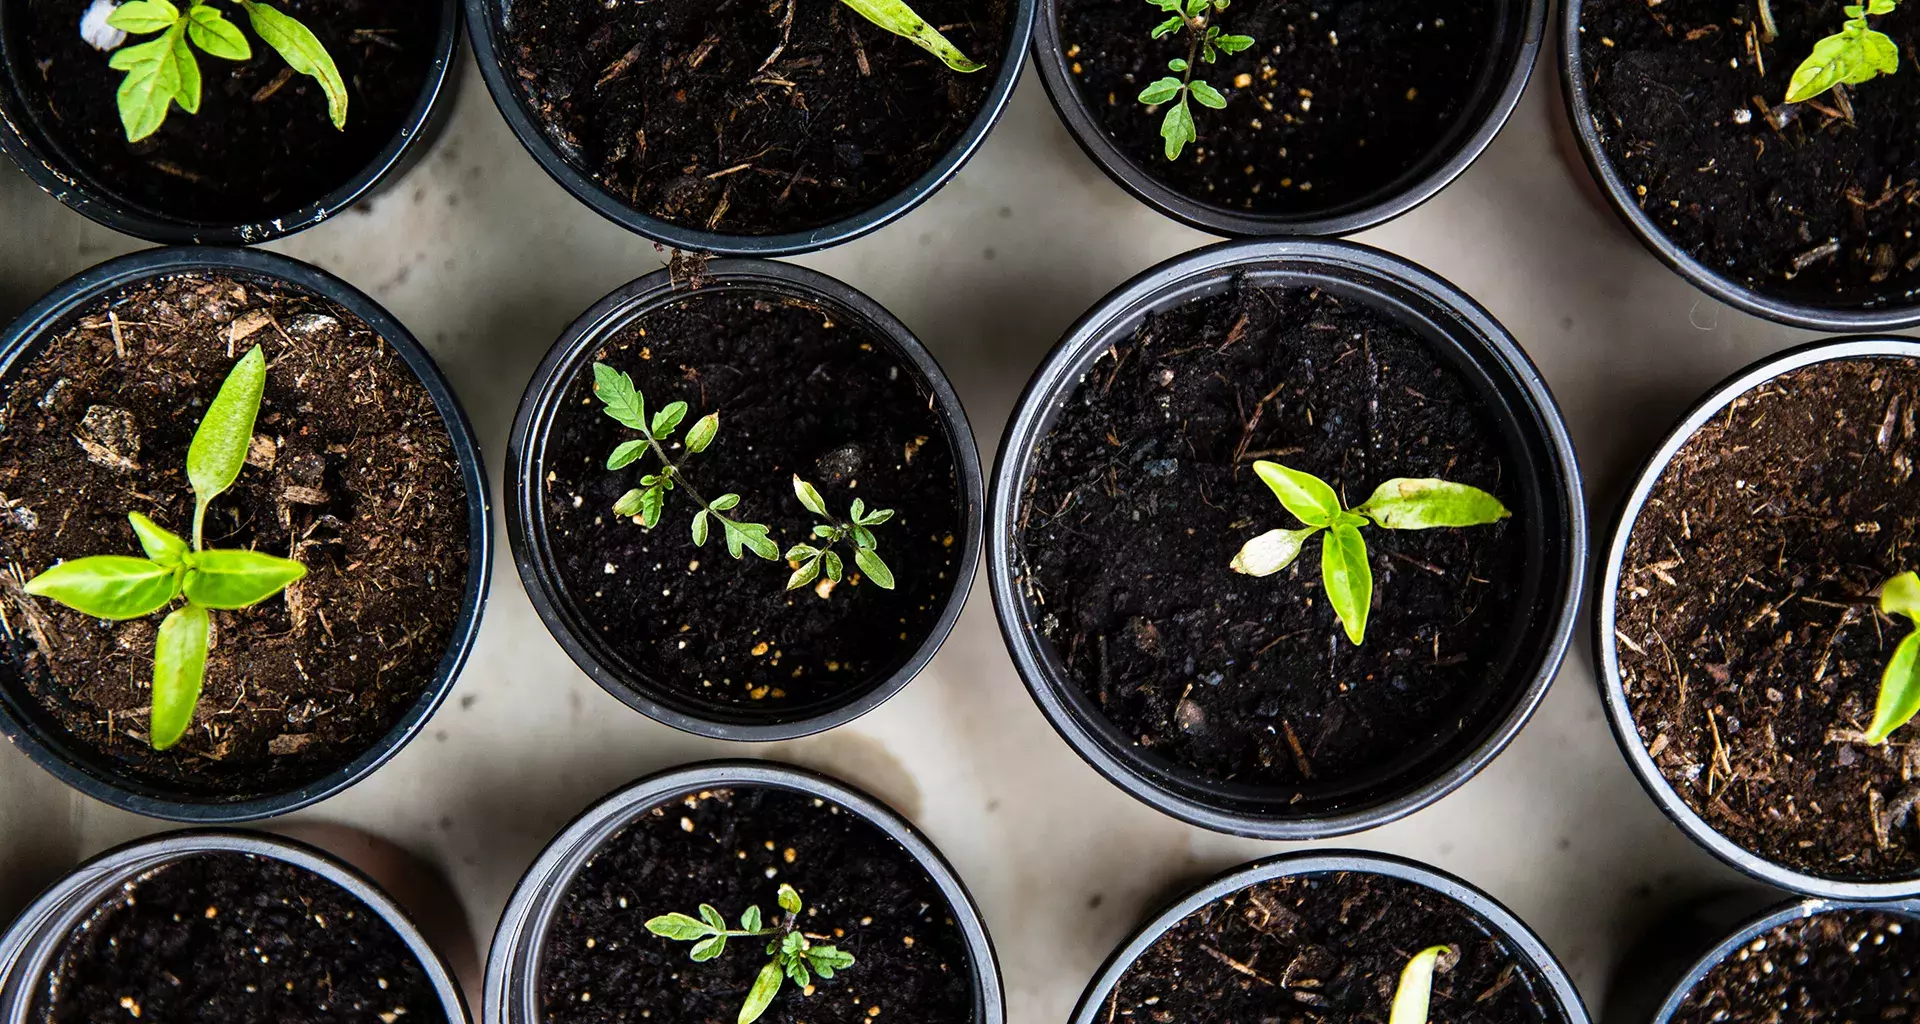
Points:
(795, 956)
(1413, 997)
(123, 587)
(1900, 683)
(1205, 42)
(163, 71)
(811, 560)
(646, 503)
(1850, 56)
(1399, 504)
(896, 17)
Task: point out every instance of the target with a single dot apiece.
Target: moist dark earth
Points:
(352, 472)
(1144, 490)
(799, 389)
(1333, 102)
(1842, 965)
(1327, 948)
(1795, 201)
(261, 145)
(231, 938)
(733, 848)
(1749, 642)
(715, 117)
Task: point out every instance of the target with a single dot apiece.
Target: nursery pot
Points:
(1508, 56)
(1516, 409)
(29, 725)
(638, 680)
(513, 985)
(486, 23)
(1891, 309)
(1609, 613)
(57, 164)
(30, 947)
(1547, 979)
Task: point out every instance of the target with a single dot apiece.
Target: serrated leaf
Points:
(107, 586)
(1177, 129)
(809, 497)
(238, 579)
(211, 31)
(179, 669)
(1420, 504)
(1348, 578)
(876, 570)
(676, 926)
(1308, 497)
(627, 451)
(896, 17)
(1853, 55)
(152, 83)
(789, 898)
(161, 545)
(143, 16)
(1271, 551)
(303, 52)
(668, 418)
(700, 528)
(707, 949)
(828, 959)
(808, 571)
(754, 537)
(617, 393)
(765, 987)
(1414, 993)
(219, 448)
(702, 433)
(1206, 95)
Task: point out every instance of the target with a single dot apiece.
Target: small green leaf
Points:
(1348, 578)
(863, 538)
(1177, 64)
(1411, 998)
(754, 537)
(750, 919)
(219, 448)
(179, 668)
(616, 391)
(804, 575)
(153, 81)
(857, 509)
(107, 586)
(1901, 596)
(676, 926)
(1899, 690)
(211, 31)
(700, 528)
(800, 552)
(302, 51)
(711, 916)
(877, 517)
(875, 569)
(1206, 95)
(1419, 504)
(1177, 128)
(765, 987)
(160, 545)
(825, 532)
(188, 94)
(797, 971)
(725, 502)
(707, 949)
(788, 898)
(1170, 6)
(835, 568)
(1160, 91)
(701, 434)
(1308, 497)
(626, 452)
(1168, 27)
(653, 501)
(238, 579)
(668, 418)
(828, 959)
(143, 16)
(1271, 551)
(628, 504)
(791, 943)
(896, 17)
(1853, 55)
(808, 496)
(1233, 44)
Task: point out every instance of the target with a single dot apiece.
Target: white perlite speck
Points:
(95, 30)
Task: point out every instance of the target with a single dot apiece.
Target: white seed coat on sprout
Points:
(95, 30)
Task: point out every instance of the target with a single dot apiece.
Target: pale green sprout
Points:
(1413, 997)
(1205, 43)
(1900, 682)
(123, 587)
(1855, 54)
(810, 560)
(1399, 504)
(163, 71)
(795, 957)
(896, 17)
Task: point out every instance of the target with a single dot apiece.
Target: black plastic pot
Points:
(30, 944)
(42, 157)
(526, 520)
(483, 22)
(28, 727)
(1606, 656)
(1558, 990)
(1551, 511)
(1819, 317)
(512, 994)
(1497, 91)
(1663, 967)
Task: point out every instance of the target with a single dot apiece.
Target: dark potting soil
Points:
(698, 115)
(1749, 645)
(1145, 489)
(352, 472)
(799, 390)
(231, 938)
(1820, 209)
(1333, 101)
(262, 144)
(733, 848)
(1842, 965)
(1326, 949)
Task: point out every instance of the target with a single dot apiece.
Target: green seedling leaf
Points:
(800, 552)
(219, 448)
(1177, 129)
(701, 434)
(211, 31)
(623, 402)
(707, 949)
(188, 95)
(163, 547)
(154, 80)
(1850, 56)
(107, 586)
(1308, 497)
(1899, 698)
(628, 504)
(896, 17)
(627, 451)
(653, 501)
(835, 568)
(700, 528)
(302, 51)
(1901, 596)
(140, 17)
(1348, 578)
(677, 926)
(809, 497)
(725, 502)
(863, 538)
(828, 959)
(876, 570)
(1413, 996)
(1233, 44)
(1410, 504)
(668, 418)
(711, 916)
(1206, 95)
(1168, 27)
(1177, 64)
(857, 509)
(797, 971)
(789, 898)
(238, 579)
(750, 919)
(1162, 89)
(877, 517)
(1271, 551)
(765, 987)
(754, 537)
(179, 669)
(808, 571)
